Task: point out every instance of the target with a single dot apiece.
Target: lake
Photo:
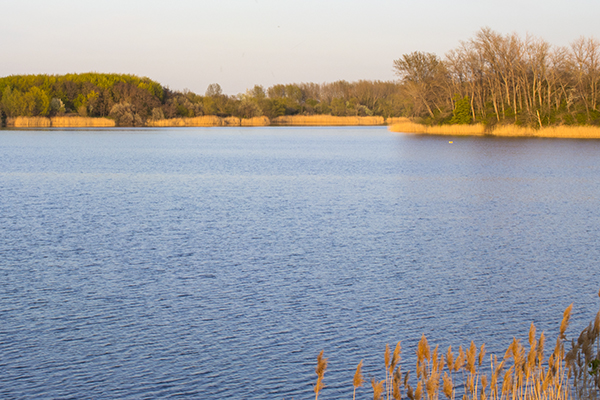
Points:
(218, 262)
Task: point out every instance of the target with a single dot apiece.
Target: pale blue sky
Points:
(240, 43)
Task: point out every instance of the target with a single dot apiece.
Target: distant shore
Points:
(400, 125)
(559, 132)
(203, 121)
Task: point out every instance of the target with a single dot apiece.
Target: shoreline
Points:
(399, 125)
(203, 121)
(508, 131)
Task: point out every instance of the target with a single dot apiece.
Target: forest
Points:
(492, 79)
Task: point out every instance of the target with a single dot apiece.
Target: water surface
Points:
(218, 262)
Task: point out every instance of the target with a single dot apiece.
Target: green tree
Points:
(36, 102)
(248, 108)
(12, 102)
(338, 107)
(462, 111)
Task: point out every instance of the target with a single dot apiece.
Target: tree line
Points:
(494, 78)
(490, 79)
(132, 100)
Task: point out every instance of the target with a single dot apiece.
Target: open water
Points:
(216, 263)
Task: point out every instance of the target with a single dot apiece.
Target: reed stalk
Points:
(28, 122)
(358, 380)
(320, 371)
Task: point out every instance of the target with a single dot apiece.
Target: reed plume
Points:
(391, 366)
(377, 388)
(358, 379)
(448, 387)
(320, 371)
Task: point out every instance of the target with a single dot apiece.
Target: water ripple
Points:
(207, 264)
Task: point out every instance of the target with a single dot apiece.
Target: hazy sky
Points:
(239, 43)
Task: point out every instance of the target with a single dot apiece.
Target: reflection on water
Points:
(214, 263)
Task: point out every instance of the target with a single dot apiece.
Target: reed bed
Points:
(256, 121)
(59, 122)
(408, 126)
(523, 373)
(232, 121)
(28, 122)
(564, 132)
(205, 120)
(81, 122)
(325, 120)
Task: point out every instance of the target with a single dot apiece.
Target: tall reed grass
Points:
(325, 120)
(256, 121)
(28, 122)
(58, 122)
(565, 132)
(78, 122)
(209, 120)
(205, 120)
(523, 373)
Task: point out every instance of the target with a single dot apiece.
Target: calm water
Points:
(217, 263)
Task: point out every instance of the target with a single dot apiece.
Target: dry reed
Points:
(232, 121)
(583, 361)
(256, 121)
(325, 120)
(377, 388)
(28, 122)
(522, 374)
(358, 380)
(320, 371)
(79, 122)
(205, 120)
(565, 132)
(59, 122)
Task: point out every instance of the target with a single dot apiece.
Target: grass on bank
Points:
(202, 121)
(566, 132)
(59, 122)
(209, 120)
(325, 120)
(523, 373)
(73, 122)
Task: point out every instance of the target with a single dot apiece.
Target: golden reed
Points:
(58, 122)
(76, 122)
(206, 120)
(209, 120)
(28, 122)
(563, 132)
(522, 374)
(325, 120)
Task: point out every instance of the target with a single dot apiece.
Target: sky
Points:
(187, 44)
